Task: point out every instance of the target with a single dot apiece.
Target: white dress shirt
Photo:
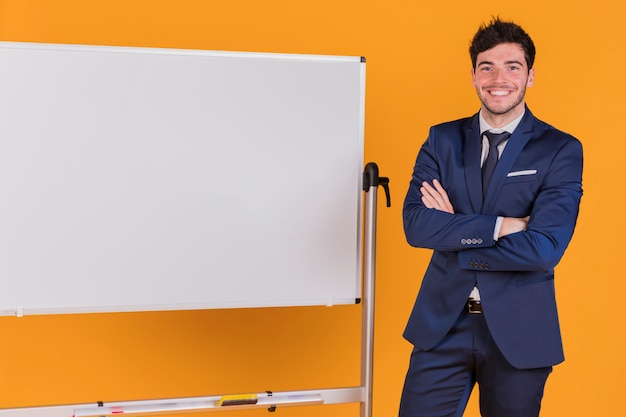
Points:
(484, 126)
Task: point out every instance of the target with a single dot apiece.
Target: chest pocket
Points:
(518, 194)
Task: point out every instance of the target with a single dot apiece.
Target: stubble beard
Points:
(506, 110)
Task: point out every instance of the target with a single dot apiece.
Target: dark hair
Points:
(498, 32)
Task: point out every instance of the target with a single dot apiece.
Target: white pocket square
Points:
(524, 172)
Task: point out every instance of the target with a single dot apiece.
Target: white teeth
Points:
(499, 93)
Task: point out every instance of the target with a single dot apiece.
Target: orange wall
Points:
(417, 75)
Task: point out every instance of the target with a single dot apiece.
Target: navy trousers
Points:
(439, 381)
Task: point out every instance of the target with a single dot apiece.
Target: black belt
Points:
(474, 307)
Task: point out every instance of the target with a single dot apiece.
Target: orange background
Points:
(418, 74)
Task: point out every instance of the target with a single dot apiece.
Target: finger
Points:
(427, 199)
(436, 195)
(443, 199)
(429, 188)
(430, 197)
(442, 192)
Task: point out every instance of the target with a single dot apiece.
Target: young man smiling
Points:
(496, 197)
(501, 76)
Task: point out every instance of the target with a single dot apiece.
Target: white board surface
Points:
(137, 179)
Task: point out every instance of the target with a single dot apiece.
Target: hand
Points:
(434, 196)
(513, 225)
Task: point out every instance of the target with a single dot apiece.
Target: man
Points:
(486, 310)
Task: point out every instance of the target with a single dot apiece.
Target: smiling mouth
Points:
(499, 93)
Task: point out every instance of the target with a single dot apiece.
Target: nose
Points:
(498, 75)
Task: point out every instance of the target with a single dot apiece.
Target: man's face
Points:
(500, 78)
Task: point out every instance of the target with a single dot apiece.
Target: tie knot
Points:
(496, 139)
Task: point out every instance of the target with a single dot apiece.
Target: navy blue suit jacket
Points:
(539, 174)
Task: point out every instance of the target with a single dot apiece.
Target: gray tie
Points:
(489, 165)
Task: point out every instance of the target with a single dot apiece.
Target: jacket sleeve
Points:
(434, 229)
(551, 225)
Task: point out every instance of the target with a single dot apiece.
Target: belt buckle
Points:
(474, 307)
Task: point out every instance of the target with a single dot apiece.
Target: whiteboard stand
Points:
(268, 399)
(371, 180)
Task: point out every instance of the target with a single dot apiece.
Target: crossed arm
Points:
(435, 197)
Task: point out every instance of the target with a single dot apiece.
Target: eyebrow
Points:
(506, 63)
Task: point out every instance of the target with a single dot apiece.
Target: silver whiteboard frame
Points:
(38, 297)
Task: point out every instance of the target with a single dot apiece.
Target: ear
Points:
(473, 74)
(531, 78)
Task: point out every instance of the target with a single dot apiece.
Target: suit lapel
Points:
(514, 147)
(473, 174)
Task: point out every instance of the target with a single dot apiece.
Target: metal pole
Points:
(370, 186)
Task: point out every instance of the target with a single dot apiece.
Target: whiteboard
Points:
(138, 179)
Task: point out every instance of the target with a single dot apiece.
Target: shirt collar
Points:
(510, 127)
